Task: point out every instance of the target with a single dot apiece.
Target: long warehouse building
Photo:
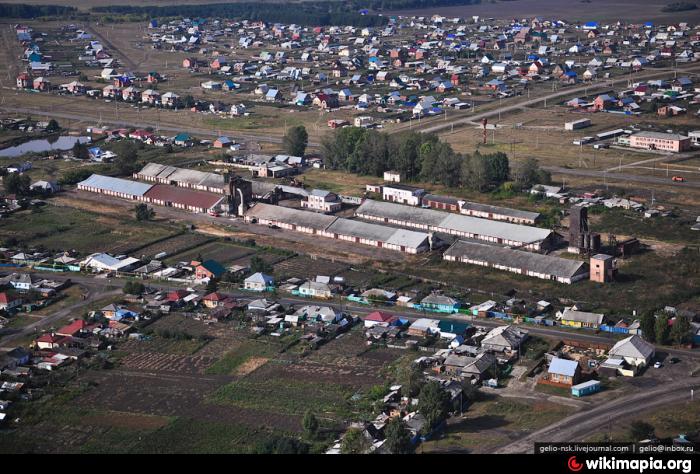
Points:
(535, 265)
(159, 194)
(332, 227)
(429, 220)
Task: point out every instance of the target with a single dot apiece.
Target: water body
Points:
(39, 146)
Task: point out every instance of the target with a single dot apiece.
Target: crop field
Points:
(224, 253)
(174, 245)
(62, 228)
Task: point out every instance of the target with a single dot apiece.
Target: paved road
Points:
(588, 422)
(430, 125)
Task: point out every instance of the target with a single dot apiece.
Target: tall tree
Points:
(398, 438)
(354, 442)
(143, 212)
(433, 403)
(661, 329)
(680, 331)
(310, 424)
(641, 430)
(16, 183)
(80, 151)
(295, 140)
(647, 324)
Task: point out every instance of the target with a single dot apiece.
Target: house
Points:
(222, 142)
(209, 269)
(24, 81)
(321, 200)
(634, 350)
(563, 371)
(440, 303)
(9, 302)
(315, 289)
(423, 327)
(580, 319)
(183, 139)
(72, 329)
(402, 194)
(504, 339)
(50, 341)
(378, 318)
(259, 282)
(19, 356)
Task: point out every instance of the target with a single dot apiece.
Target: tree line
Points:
(423, 157)
(313, 13)
(21, 10)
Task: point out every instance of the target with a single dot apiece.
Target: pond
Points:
(39, 146)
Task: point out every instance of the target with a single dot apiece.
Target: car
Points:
(214, 214)
(658, 365)
(674, 360)
(679, 179)
(273, 226)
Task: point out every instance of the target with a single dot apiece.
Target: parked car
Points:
(658, 365)
(680, 179)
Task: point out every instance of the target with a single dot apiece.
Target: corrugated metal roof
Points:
(563, 367)
(494, 255)
(453, 223)
(116, 185)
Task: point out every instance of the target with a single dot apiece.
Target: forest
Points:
(424, 158)
(20, 10)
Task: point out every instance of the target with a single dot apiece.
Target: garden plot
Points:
(174, 245)
(156, 361)
(224, 253)
(305, 267)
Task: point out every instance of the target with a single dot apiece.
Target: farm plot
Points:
(272, 389)
(305, 267)
(156, 361)
(224, 253)
(165, 346)
(241, 355)
(174, 245)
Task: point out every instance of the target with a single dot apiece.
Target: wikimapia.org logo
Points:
(639, 465)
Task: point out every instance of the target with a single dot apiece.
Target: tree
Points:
(16, 183)
(661, 329)
(257, 264)
(398, 438)
(127, 154)
(80, 151)
(680, 331)
(527, 173)
(53, 126)
(310, 424)
(411, 379)
(647, 324)
(640, 430)
(134, 288)
(295, 140)
(143, 212)
(212, 285)
(354, 442)
(433, 403)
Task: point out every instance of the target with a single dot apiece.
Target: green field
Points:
(61, 228)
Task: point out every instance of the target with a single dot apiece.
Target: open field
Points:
(629, 10)
(223, 253)
(62, 228)
(493, 421)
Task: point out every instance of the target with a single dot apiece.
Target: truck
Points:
(583, 141)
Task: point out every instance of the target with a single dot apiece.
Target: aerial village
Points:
(242, 263)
